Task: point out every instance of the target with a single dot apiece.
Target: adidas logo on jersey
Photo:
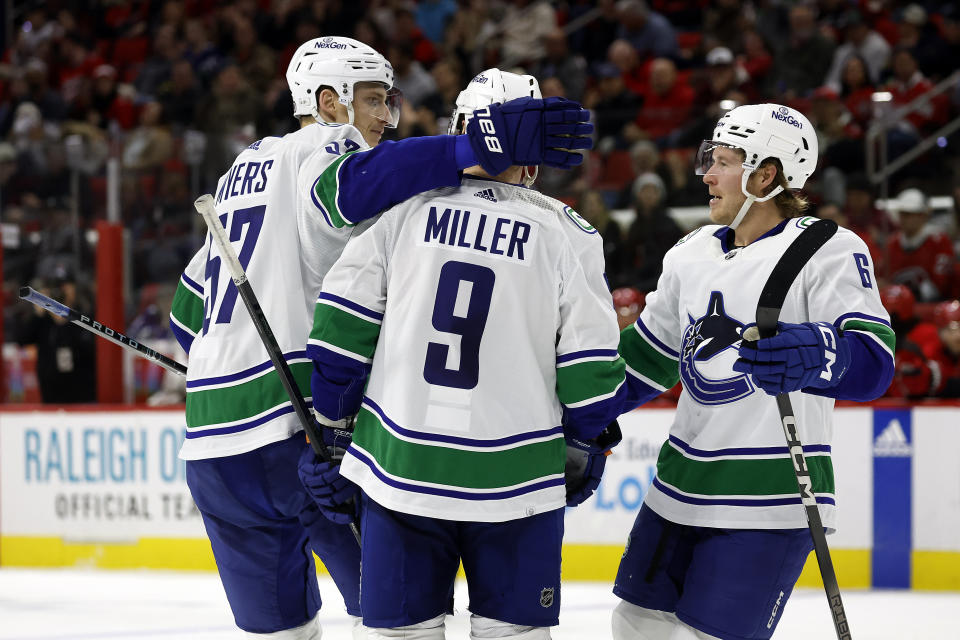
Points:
(892, 442)
(486, 194)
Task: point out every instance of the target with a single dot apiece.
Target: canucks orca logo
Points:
(708, 354)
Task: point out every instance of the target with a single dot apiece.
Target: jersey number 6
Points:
(464, 292)
(252, 218)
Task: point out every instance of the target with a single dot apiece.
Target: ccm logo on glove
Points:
(829, 349)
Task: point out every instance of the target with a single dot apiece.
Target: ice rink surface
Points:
(131, 605)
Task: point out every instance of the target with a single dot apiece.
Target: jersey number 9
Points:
(464, 292)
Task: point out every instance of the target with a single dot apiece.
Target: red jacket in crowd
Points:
(922, 262)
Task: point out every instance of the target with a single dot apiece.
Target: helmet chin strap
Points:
(349, 107)
(750, 199)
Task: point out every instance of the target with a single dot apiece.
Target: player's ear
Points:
(766, 174)
(327, 104)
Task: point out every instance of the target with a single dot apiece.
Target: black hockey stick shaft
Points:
(75, 317)
(205, 206)
(768, 314)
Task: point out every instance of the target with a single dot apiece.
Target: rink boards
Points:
(105, 489)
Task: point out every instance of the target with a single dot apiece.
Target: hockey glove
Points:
(811, 354)
(530, 132)
(333, 494)
(586, 460)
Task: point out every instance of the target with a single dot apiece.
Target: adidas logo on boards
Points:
(892, 442)
(486, 194)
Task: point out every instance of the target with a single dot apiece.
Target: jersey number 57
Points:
(252, 219)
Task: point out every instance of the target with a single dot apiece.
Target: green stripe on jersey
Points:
(344, 330)
(187, 308)
(585, 380)
(445, 465)
(245, 399)
(326, 189)
(882, 331)
(645, 359)
(740, 477)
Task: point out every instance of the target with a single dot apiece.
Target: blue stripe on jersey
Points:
(588, 353)
(452, 493)
(656, 341)
(745, 451)
(731, 502)
(246, 373)
(861, 316)
(467, 442)
(349, 304)
(191, 284)
(317, 203)
(184, 337)
(243, 426)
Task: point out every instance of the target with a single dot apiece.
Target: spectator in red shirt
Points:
(919, 256)
(915, 376)
(862, 214)
(666, 103)
(856, 89)
(908, 83)
(945, 356)
(756, 61)
(77, 63)
(407, 33)
(622, 54)
(109, 103)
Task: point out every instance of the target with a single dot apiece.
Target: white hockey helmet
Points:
(764, 131)
(338, 63)
(492, 86)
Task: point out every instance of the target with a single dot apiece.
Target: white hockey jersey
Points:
(486, 316)
(287, 231)
(726, 463)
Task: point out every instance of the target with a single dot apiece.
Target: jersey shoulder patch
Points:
(578, 220)
(688, 236)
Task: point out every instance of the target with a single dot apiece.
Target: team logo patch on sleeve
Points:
(688, 236)
(579, 220)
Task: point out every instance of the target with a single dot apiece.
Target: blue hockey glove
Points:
(333, 494)
(811, 354)
(530, 132)
(586, 460)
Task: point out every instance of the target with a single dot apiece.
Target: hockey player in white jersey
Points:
(722, 536)
(470, 330)
(289, 204)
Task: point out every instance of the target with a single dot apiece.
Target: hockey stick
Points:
(75, 317)
(204, 205)
(768, 313)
